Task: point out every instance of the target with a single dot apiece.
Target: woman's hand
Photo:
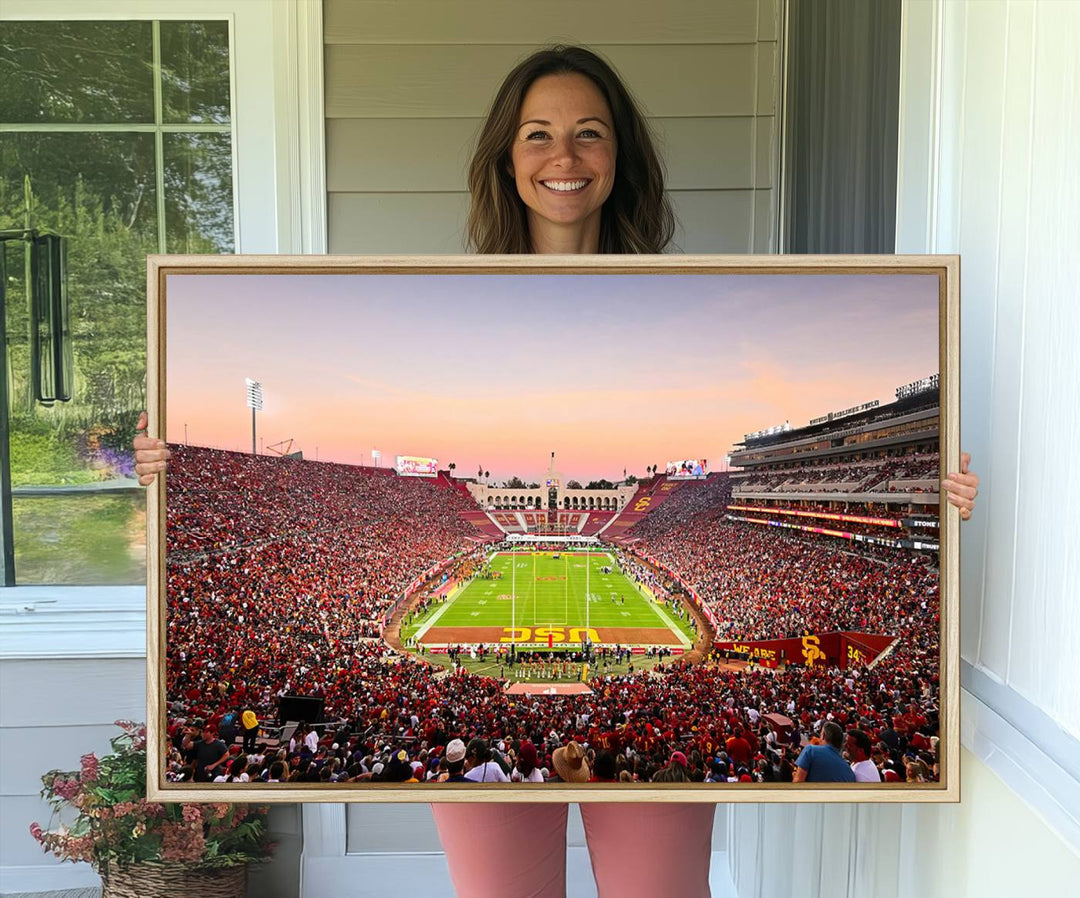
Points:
(150, 454)
(961, 489)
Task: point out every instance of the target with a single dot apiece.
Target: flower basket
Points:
(145, 848)
(171, 880)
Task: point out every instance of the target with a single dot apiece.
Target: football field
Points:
(546, 600)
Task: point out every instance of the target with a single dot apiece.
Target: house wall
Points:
(408, 84)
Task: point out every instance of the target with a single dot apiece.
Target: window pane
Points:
(112, 173)
(195, 71)
(98, 191)
(76, 72)
(198, 193)
(79, 518)
(82, 540)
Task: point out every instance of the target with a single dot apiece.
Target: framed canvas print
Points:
(553, 529)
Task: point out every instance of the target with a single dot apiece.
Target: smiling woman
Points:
(560, 118)
(563, 162)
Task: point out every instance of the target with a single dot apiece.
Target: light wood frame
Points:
(945, 267)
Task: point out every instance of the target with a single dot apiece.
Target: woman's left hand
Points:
(961, 489)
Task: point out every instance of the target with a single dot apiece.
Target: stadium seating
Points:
(483, 523)
(281, 573)
(596, 522)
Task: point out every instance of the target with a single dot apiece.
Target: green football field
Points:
(536, 598)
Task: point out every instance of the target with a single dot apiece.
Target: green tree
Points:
(106, 266)
(99, 190)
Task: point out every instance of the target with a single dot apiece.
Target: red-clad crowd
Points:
(277, 568)
(279, 572)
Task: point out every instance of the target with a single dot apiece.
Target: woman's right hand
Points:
(150, 454)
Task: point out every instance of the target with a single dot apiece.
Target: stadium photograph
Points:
(458, 530)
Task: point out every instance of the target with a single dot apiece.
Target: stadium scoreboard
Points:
(687, 469)
(417, 466)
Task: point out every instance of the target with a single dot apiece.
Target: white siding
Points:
(1014, 216)
(408, 83)
(54, 712)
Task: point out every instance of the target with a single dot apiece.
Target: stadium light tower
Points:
(255, 403)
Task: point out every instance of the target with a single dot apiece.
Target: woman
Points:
(238, 771)
(565, 164)
(527, 769)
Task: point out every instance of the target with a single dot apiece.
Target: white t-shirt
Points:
(488, 772)
(866, 772)
(535, 777)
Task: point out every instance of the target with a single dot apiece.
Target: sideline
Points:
(430, 622)
(665, 619)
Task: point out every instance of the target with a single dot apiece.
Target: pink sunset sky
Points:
(607, 371)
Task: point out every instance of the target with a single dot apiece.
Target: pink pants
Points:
(519, 850)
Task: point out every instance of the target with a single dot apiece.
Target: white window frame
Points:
(279, 200)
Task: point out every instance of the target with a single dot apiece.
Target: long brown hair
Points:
(637, 216)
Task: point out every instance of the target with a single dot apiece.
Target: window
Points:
(118, 136)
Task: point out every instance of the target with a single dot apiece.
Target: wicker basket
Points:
(150, 880)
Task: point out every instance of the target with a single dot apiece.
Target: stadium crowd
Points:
(280, 572)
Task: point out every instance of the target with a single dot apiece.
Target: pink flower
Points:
(65, 788)
(123, 808)
(192, 813)
(37, 832)
(79, 848)
(150, 808)
(89, 767)
(180, 842)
